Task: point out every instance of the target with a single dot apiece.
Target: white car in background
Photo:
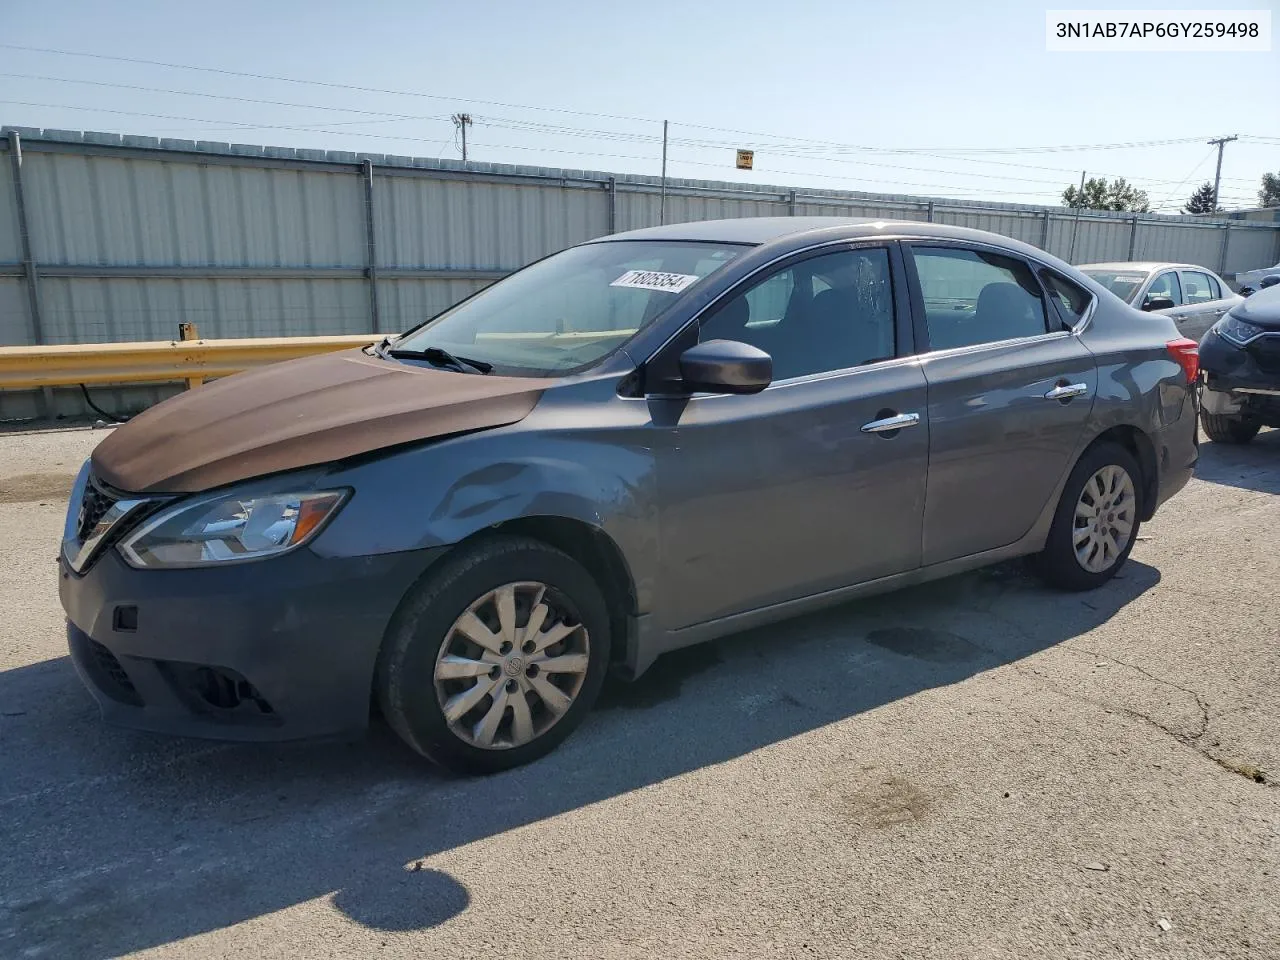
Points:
(1252, 279)
(1193, 297)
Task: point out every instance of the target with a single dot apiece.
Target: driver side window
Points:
(826, 313)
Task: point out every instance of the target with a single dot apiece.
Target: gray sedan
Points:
(1195, 298)
(637, 444)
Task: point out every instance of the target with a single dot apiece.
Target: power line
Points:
(385, 115)
(1189, 175)
(843, 177)
(565, 110)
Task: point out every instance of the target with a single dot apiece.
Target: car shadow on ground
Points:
(116, 841)
(1251, 466)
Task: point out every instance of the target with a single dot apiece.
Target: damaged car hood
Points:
(301, 413)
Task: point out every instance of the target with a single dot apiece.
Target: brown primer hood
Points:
(300, 413)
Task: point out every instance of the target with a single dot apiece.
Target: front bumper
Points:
(1242, 381)
(279, 649)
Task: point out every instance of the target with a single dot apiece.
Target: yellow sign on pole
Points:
(745, 159)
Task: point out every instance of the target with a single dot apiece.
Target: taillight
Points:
(1187, 354)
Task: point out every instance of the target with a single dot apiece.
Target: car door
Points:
(1009, 392)
(1203, 304)
(810, 484)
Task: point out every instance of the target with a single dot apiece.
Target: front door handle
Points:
(1065, 391)
(888, 424)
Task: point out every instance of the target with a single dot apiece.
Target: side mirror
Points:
(725, 366)
(1158, 303)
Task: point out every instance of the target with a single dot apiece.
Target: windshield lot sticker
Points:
(653, 280)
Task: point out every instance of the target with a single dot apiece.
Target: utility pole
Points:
(1076, 226)
(1220, 143)
(462, 121)
(662, 204)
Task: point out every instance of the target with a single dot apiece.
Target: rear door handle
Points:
(891, 423)
(1065, 391)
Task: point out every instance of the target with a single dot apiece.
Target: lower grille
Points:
(116, 683)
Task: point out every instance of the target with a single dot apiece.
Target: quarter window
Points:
(1070, 300)
(1196, 287)
(973, 297)
(830, 312)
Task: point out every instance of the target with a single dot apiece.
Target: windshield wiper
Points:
(441, 358)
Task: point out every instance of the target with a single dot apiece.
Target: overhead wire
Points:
(795, 147)
(613, 116)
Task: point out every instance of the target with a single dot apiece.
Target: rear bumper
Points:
(278, 650)
(1177, 450)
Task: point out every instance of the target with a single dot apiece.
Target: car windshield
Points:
(1123, 283)
(572, 309)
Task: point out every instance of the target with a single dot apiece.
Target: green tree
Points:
(1269, 195)
(1202, 201)
(1101, 194)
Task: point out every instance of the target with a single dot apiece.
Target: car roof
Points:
(794, 231)
(1142, 266)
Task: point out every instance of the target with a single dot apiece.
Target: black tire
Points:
(406, 664)
(1057, 564)
(1226, 429)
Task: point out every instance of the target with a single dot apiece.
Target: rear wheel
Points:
(496, 657)
(1096, 523)
(1228, 429)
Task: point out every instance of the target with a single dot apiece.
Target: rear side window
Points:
(973, 297)
(1197, 287)
(1165, 285)
(1070, 300)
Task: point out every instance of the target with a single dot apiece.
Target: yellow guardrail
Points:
(22, 368)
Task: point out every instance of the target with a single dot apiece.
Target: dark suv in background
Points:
(1240, 357)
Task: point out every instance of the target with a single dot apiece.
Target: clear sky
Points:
(810, 85)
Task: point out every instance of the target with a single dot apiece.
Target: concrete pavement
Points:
(974, 768)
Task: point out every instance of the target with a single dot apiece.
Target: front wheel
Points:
(496, 657)
(1096, 523)
(1228, 429)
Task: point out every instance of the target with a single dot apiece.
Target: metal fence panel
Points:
(1096, 240)
(1192, 243)
(15, 327)
(10, 240)
(104, 210)
(258, 241)
(406, 302)
(453, 223)
(1250, 249)
(642, 209)
(94, 310)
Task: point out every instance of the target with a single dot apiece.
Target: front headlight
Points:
(229, 529)
(1236, 330)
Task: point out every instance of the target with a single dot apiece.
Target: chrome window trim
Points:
(790, 381)
(1011, 342)
(1081, 326)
